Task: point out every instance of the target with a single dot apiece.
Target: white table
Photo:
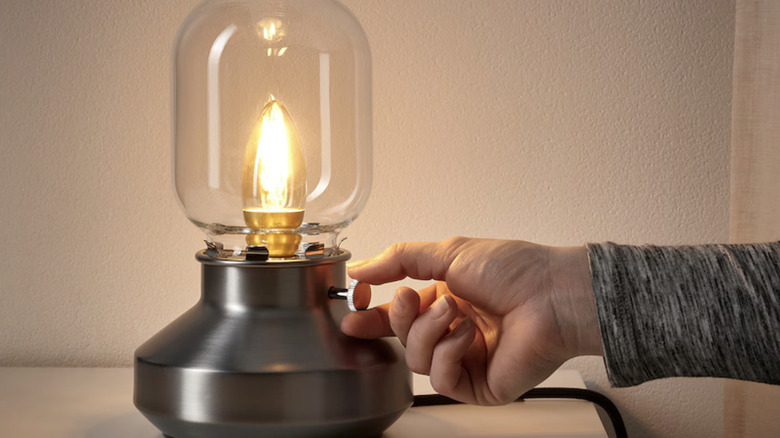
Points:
(97, 403)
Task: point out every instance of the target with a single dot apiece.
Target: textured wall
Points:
(555, 122)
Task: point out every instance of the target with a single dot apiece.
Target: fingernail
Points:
(462, 328)
(440, 307)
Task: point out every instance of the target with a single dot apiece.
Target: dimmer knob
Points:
(358, 295)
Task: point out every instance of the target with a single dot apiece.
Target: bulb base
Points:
(280, 245)
(282, 241)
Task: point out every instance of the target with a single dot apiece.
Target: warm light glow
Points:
(270, 29)
(269, 32)
(272, 161)
(274, 181)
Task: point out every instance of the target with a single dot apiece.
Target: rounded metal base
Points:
(261, 354)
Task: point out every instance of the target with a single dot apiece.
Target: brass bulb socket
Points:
(279, 245)
(279, 241)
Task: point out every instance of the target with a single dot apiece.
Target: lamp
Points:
(272, 160)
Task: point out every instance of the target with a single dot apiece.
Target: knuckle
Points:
(396, 249)
(447, 252)
(454, 242)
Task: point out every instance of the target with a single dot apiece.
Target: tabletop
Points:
(97, 403)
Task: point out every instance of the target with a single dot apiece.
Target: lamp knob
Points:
(358, 295)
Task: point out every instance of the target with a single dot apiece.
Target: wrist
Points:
(574, 300)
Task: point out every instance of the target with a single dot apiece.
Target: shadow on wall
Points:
(630, 420)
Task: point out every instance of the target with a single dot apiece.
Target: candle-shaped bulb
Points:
(274, 182)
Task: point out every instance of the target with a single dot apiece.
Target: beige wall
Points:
(556, 122)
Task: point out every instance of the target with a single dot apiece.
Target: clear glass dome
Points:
(272, 122)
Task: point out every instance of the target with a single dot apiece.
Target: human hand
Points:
(502, 317)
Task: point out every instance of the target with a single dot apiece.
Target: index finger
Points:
(418, 260)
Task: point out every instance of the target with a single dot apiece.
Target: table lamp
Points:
(272, 160)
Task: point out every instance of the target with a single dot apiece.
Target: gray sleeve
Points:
(708, 310)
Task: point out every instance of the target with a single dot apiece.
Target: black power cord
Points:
(549, 393)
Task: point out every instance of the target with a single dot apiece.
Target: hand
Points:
(502, 317)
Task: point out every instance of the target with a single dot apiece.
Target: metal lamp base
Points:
(261, 354)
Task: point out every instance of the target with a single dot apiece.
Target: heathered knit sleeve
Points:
(708, 310)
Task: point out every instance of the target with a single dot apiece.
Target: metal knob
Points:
(358, 295)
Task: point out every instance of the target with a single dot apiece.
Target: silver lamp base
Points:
(261, 354)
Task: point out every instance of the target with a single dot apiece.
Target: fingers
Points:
(403, 310)
(426, 331)
(447, 375)
(431, 348)
(368, 324)
(419, 260)
(393, 318)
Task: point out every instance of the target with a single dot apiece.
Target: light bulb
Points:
(273, 182)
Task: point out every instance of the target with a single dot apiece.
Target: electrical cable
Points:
(547, 393)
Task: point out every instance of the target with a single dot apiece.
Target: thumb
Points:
(418, 260)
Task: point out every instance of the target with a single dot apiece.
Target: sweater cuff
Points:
(706, 310)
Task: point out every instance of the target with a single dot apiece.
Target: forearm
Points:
(709, 310)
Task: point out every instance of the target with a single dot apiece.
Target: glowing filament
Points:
(269, 32)
(272, 162)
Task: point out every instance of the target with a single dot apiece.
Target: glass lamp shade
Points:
(272, 122)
